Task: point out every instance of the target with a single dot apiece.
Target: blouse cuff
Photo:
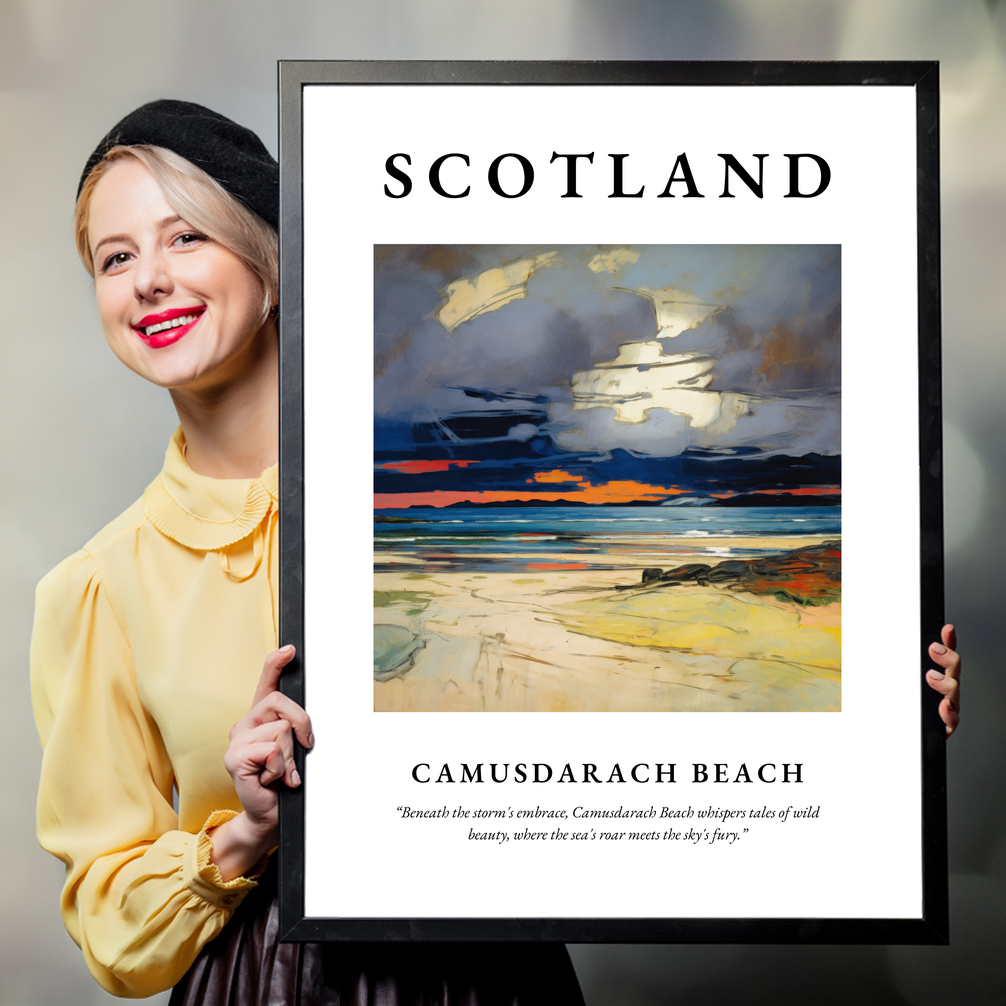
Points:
(202, 876)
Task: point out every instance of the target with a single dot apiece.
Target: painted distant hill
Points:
(777, 499)
(744, 500)
(499, 504)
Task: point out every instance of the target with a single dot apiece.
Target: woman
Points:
(148, 643)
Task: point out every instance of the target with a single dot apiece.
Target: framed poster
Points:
(633, 370)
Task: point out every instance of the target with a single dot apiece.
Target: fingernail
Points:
(295, 777)
(287, 649)
(310, 740)
(938, 648)
(936, 675)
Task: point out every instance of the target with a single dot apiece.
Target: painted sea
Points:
(484, 539)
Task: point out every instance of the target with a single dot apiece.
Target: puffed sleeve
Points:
(141, 898)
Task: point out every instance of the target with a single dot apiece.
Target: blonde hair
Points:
(199, 200)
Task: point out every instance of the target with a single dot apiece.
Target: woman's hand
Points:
(260, 753)
(947, 682)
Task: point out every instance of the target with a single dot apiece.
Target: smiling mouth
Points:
(166, 322)
(185, 319)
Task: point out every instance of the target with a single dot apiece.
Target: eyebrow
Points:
(111, 238)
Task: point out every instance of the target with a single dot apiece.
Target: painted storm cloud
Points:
(607, 477)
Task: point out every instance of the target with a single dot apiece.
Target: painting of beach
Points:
(607, 478)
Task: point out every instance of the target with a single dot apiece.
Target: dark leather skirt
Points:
(246, 965)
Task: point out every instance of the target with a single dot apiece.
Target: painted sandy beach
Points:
(738, 622)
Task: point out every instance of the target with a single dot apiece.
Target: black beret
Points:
(230, 154)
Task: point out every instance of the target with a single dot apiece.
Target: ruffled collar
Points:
(203, 513)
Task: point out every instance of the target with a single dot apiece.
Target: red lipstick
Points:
(165, 333)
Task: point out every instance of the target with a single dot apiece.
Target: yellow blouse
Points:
(147, 647)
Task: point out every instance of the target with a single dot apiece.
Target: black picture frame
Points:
(931, 927)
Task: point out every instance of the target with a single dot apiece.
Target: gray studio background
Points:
(82, 437)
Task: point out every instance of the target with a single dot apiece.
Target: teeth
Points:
(174, 323)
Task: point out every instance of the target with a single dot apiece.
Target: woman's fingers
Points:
(271, 671)
(949, 712)
(945, 654)
(260, 761)
(947, 680)
(949, 688)
(261, 749)
(949, 636)
(277, 706)
(278, 735)
(274, 766)
(270, 703)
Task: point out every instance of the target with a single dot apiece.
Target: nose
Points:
(152, 276)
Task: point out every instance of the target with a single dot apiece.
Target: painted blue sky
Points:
(707, 369)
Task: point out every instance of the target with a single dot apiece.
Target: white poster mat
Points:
(861, 856)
